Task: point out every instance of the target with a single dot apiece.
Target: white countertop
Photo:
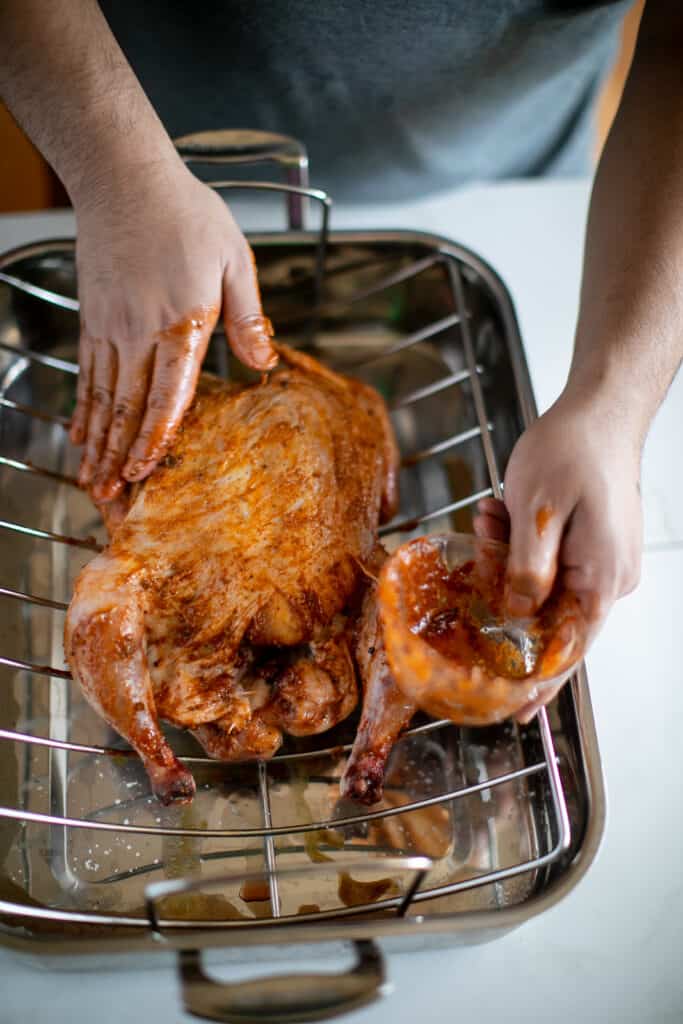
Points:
(613, 949)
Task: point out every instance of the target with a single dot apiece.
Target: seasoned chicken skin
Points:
(228, 599)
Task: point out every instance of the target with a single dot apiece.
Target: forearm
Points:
(629, 340)
(65, 79)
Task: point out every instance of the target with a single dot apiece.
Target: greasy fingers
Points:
(529, 711)
(79, 421)
(599, 566)
(492, 521)
(248, 331)
(166, 251)
(101, 402)
(536, 528)
(177, 361)
(129, 406)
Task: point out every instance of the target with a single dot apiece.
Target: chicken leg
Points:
(105, 644)
(386, 712)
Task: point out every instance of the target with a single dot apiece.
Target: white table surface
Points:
(613, 949)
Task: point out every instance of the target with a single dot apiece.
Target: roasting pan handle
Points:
(287, 998)
(282, 999)
(242, 146)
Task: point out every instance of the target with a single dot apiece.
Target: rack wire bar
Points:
(442, 446)
(28, 467)
(89, 543)
(200, 759)
(477, 394)
(45, 602)
(411, 339)
(54, 298)
(54, 362)
(431, 389)
(397, 903)
(390, 281)
(37, 414)
(268, 844)
(278, 830)
(29, 666)
(404, 525)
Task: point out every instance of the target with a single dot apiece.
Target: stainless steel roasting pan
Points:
(479, 829)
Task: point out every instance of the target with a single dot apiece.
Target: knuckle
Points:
(92, 452)
(124, 409)
(606, 586)
(630, 576)
(111, 458)
(101, 397)
(160, 402)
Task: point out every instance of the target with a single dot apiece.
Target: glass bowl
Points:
(451, 649)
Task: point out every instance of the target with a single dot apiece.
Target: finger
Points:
(174, 380)
(247, 330)
(525, 714)
(591, 562)
(593, 603)
(493, 507)
(535, 537)
(101, 399)
(129, 406)
(79, 420)
(491, 528)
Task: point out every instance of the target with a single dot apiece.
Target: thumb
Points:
(248, 331)
(535, 536)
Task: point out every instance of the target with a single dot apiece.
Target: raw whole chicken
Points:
(236, 597)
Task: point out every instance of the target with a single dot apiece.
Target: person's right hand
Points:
(158, 256)
(572, 512)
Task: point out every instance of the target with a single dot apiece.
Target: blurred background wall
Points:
(28, 183)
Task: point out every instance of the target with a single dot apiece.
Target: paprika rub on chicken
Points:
(236, 595)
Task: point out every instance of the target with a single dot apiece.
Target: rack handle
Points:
(282, 999)
(243, 146)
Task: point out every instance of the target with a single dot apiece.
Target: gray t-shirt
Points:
(392, 98)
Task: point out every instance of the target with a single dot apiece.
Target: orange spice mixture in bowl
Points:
(451, 648)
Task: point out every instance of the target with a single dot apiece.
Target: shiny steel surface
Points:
(509, 818)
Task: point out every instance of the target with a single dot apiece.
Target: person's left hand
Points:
(158, 254)
(571, 511)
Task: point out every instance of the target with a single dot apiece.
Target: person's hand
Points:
(572, 511)
(158, 257)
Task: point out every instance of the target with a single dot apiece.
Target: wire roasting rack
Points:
(478, 829)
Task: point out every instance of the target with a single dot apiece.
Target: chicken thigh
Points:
(228, 599)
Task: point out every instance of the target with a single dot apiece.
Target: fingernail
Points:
(524, 717)
(263, 353)
(136, 470)
(85, 474)
(268, 362)
(253, 340)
